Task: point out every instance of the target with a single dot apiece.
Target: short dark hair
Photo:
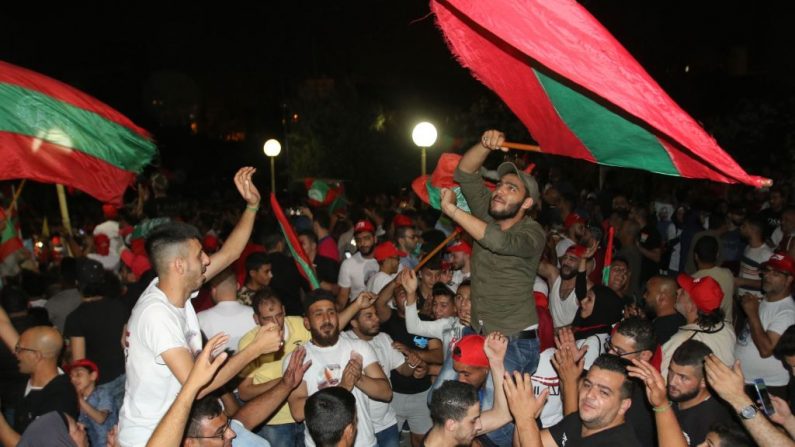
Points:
(327, 414)
(452, 400)
(641, 331)
(164, 237)
(786, 344)
(614, 363)
(757, 222)
(441, 288)
(272, 240)
(322, 218)
(465, 283)
(731, 434)
(707, 320)
(207, 407)
(317, 295)
(256, 260)
(706, 249)
(263, 295)
(692, 353)
(308, 233)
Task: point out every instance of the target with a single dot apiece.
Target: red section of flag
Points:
(303, 263)
(27, 157)
(502, 41)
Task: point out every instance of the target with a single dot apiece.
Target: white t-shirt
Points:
(776, 317)
(355, 272)
(155, 327)
(750, 265)
(230, 317)
(326, 370)
(377, 282)
(563, 311)
(381, 413)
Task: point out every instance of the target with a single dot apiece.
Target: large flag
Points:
(54, 133)
(303, 263)
(578, 91)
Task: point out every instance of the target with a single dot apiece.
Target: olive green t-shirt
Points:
(504, 265)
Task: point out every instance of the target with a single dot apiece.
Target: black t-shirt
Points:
(287, 282)
(695, 422)
(641, 417)
(649, 238)
(12, 382)
(568, 433)
(327, 269)
(100, 323)
(665, 327)
(396, 328)
(772, 220)
(58, 395)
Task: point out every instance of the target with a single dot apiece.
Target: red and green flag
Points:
(9, 235)
(302, 261)
(53, 133)
(578, 91)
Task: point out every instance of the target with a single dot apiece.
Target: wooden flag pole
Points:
(437, 249)
(521, 146)
(67, 225)
(16, 195)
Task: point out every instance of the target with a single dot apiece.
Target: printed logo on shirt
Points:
(330, 376)
(420, 342)
(564, 440)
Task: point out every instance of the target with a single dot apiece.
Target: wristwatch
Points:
(748, 412)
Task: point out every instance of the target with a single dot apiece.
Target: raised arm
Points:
(764, 340)
(238, 238)
(669, 432)
(526, 408)
(569, 362)
(495, 347)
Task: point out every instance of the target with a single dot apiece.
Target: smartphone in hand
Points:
(763, 397)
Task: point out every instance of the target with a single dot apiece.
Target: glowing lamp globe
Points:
(424, 134)
(272, 148)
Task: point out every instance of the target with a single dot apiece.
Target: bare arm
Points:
(495, 346)
(78, 347)
(382, 308)
(238, 238)
(7, 331)
(765, 341)
(248, 390)
(97, 416)
(364, 300)
(473, 158)
(374, 383)
(343, 297)
(8, 437)
(297, 400)
(525, 408)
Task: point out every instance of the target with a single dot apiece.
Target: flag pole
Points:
(521, 146)
(436, 250)
(16, 195)
(64, 209)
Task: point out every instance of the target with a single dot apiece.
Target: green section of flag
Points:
(612, 139)
(37, 115)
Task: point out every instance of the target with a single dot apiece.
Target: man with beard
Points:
(563, 302)
(576, 233)
(461, 255)
(695, 408)
(508, 246)
(366, 327)
(338, 361)
(356, 270)
(455, 410)
(164, 331)
(755, 254)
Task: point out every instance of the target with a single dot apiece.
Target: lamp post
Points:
(272, 149)
(424, 135)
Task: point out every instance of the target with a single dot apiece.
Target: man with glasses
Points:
(407, 241)
(767, 319)
(208, 425)
(634, 339)
(266, 371)
(47, 389)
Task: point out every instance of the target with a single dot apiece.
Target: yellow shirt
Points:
(269, 366)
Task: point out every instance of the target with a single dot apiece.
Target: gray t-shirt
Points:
(60, 305)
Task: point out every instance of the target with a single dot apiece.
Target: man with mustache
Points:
(357, 270)
(507, 248)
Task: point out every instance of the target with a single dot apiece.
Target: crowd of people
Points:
(534, 315)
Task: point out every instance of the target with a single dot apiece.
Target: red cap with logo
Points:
(363, 226)
(573, 218)
(781, 262)
(705, 292)
(459, 246)
(387, 250)
(469, 351)
(401, 220)
(576, 250)
(83, 363)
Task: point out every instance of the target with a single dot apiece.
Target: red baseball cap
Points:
(469, 351)
(387, 250)
(459, 246)
(139, 264)
(705, 292)
(781, 262)
(363, 226)
(576, 250)
(109, 211)
(401, 220)
(83, 363)
(572, 219)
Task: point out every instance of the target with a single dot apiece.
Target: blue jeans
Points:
(388, 437)
(522, 355)
(288, 435)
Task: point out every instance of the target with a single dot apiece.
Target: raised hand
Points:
(365, 300)
(408, 279)
(656, 391)
(729, 383)
(352, 372)
(245, 185)
(268, 339)
(522, 402)
(783, 413)
(294, 374)
(495, 347)
(208, 362)
(569, 362)
(492, 140)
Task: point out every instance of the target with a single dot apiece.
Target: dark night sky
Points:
(244, 60)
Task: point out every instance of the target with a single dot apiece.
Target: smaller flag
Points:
(301, 260)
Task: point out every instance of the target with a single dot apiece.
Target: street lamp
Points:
(424, 135)
(272, 149)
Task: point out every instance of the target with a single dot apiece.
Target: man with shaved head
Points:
(660, 297)
(47, 389)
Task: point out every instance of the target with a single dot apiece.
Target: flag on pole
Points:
(301, 260)
(53, 133)
(10, 241)
(578, 91)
